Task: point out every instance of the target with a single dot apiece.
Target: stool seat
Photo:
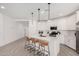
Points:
(34, 40)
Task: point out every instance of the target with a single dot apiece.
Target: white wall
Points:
(22, 29)
(10, 29)
(1, 30)
(7, 29)
(19, 30)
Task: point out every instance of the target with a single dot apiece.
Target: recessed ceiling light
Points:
(2, 7)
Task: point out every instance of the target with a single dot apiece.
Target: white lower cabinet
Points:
(72, 44)
(70, 39)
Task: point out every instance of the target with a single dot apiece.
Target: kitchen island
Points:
(53, 44)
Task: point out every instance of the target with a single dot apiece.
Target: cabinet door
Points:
(70, 39)
(72, 44)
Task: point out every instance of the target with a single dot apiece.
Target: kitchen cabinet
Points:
(70, 39)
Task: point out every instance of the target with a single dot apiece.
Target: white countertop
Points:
(48, 38)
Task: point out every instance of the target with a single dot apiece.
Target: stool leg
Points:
(31, 46)
(38, 50)
(44, 51)
(34, 49)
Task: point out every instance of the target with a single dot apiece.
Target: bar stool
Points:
(27, 43)
(34, 44)
(43, 44)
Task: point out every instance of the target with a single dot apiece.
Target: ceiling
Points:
(24, 10)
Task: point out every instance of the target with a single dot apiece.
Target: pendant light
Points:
(38, 14)
(32, 17)
(48, 11)
(49, 19)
